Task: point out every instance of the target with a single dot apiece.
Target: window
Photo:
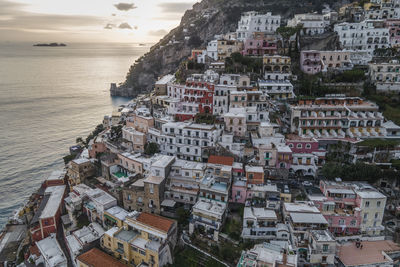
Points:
(325, 247)
(365, 216)
(378, 204)
(366, 204)
(299, 145)
(377, 215)
(151, 188)
(308, 146)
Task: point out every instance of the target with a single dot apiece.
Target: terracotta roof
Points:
(370, 254)
(97, 258)
(155, 221)
(221, 160)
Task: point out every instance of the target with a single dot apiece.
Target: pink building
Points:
(239, 192)
(306, 154)
(284, 157)
(340, 208)
(394, 31)
(260, 45)
(310, 61)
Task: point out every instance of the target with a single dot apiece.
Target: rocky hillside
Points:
(199, 25)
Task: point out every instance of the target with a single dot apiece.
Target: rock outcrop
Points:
(198, 26)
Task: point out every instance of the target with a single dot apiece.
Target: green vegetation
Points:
(349, 76)
(68, 158)
(79, 141)
(237, 63)
(205, 118)
(379, 143)
(183, 216)
(116, 133)
(232, 228)
(82, 221)
(189, 257)
(151, 148)
(193, 65)
(352, 172)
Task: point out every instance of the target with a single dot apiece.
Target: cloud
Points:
(19, 20)
(157, 33)
(125, 25)
(125, 6)
(171, 7)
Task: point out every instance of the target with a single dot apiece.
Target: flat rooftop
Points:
(311, 218)
(208, 206)
(126, 235)
(301, 207)
(54, 202)
(117, 212)
(370, 254)
(259, 213)
(57, 175)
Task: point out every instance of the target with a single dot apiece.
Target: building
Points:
(337, 117)
(260, 44)
(313, 61)
(141, 120)
(160, 87)
(268, 254)
(254, 174)
(366, 35)
(185, 140)
(115, 216)
(312, 24)
(221, 98)
(276, 67)
(352, 207)
(55, 178)
(368, 253)
(261, 224)
(251, 22)
(95, 203)
(385, 75)
(394, 31)
(134, 140)
(97, 258)
(183, 182)
(47, 218)
(227, 47)
(83, 240)
(208, 216)
(321, 248)
(51, 253)
(79, 170)
(277, 89)
(301, 218)
(392, 129)
(306, 154)
(235, 121)
(145, 238)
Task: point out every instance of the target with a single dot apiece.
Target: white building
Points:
(83, 239)
(385, 75)
(51, 253)
(252, 21)
(366, 35)
(277, 89)
(212, 49)
(186, 140)
(313, 24)
(209, 216)
(221, 98)
(267, 254)
(321, 248)
(261, 224)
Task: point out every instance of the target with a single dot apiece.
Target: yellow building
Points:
(227, 47)
(143, 238)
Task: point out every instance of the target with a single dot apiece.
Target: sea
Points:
(49, 96)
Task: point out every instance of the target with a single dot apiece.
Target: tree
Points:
(183, 215)
(79, 141)
(151, 148)
(116, 132)
(287, 32)
(195, 41)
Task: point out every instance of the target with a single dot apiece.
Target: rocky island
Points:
(51, 44)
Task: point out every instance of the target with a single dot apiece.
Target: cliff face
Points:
(198, 26)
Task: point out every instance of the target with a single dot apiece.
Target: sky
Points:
(137, 21)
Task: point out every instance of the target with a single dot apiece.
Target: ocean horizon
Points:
(49, 97)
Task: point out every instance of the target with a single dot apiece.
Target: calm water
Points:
(48, 97)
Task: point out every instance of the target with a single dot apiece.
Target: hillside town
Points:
(265, 148)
